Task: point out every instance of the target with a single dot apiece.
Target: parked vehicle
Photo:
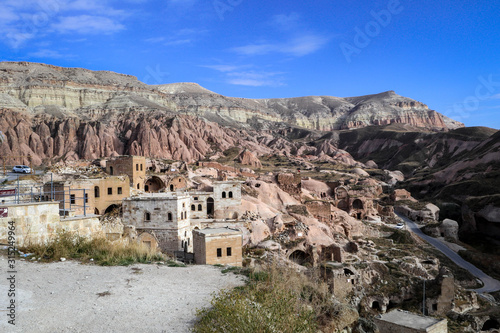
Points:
(21, 169)
(400, 225)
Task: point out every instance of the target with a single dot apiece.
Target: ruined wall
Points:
(321, 210)
(290, 183)
(176, 183)
(222, 167)
(37, 223)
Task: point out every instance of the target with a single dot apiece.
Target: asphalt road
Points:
(490, 284)
(9, 176)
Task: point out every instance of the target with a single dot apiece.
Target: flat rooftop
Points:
(407, 319)
(218, 231)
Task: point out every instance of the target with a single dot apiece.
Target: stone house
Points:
(166, 216)
(89, 196)
(132, 166)
(227, 199)
(171, 217)
(218, 246)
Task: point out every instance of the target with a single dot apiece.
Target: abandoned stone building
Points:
(218, 246)
(341, 280)
(176, 183)
(165, 216)
(88, 196)
(290, 183)
(132, 166)
(171, 217)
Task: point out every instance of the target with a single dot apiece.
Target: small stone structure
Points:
(164, 215)
(132, 166)
(321, 210)
(176, 183)
(218, 246)
(340, 279)
(290, 183)
(398, 321)
(37, 223)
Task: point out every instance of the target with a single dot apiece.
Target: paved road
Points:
(490, 284)
(9, 176)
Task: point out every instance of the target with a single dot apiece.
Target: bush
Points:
(277, 300)
(102, 251)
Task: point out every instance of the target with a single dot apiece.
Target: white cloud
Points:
(178, 42)
(286, 22)
(299, 46)
(86, 24)
(255, 79)
(223, 68)
(24, 20)
(155, 40)
(47, 53)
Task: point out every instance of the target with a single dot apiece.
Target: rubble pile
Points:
(88, 170)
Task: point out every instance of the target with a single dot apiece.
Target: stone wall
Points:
(222, 167)
(290, 183)
(321, 210)
(37, 223)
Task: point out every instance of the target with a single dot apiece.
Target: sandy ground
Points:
(63, 297)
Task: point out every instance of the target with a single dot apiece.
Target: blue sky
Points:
(443, 53)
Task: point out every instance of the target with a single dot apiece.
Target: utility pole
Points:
(423, 303)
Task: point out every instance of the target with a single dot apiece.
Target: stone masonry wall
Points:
(37, 223)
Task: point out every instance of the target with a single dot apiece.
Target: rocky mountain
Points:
(459, 169)
(38, 88)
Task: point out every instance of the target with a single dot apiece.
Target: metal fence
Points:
(71, 201)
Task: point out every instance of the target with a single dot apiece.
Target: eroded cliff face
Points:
(38, 88)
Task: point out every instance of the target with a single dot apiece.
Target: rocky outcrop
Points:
(246, 157)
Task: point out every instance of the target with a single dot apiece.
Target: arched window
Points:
(111, 170)
(147, 216)
(138, 187)
(169, 215)
(97, 193)
(199, 207)
(230, 194)
(193, 207)
(223, 195)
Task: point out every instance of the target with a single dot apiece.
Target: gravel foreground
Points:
(71, 297)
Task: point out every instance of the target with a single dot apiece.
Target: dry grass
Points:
(275, 300)
(100, 250)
